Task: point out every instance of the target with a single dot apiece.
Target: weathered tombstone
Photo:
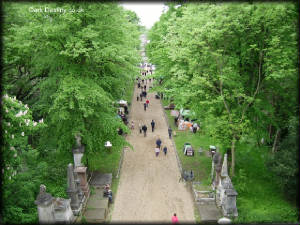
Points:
(72, 190)
(62, 211)
(228, 198)
(78, 151)
(82, 175)
(44, 203)
(230, 203)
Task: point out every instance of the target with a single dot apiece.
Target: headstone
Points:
(81, 172)
(228, 198)
(44, 203)
(78, 151)
(72, 190)
(62, 211)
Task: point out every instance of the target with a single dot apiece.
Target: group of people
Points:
(143, 127)
(158, 147)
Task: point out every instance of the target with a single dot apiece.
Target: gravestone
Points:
(62, 211)
(78, 151)
(44, 203)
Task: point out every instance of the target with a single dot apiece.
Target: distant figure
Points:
(157, 151)
(158, 142)
(137, 97)
(174, 218)
(141, 96)
(140, 127)
(165, 150)
(145, 106)
(170, 132)
(152, 125)
(144, 128)
(120, 131)
(132, 125)
(139, 85)
(195, 126)
(147, 102)
(126, 109)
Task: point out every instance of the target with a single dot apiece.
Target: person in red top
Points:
(174, 219)
(147, 102)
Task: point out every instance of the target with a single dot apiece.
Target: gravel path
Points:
(149, 190)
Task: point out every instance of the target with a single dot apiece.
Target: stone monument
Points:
(72, 191)
(82, 175)
(62, 211)
(44, 203)
(225, 192)
(78, 151)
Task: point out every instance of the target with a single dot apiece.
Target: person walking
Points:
(141, 96)
(145, 106)
(152, 125)
(158, 143)
(170, 132)
(165, 150)
(174, 219)
(137, 97)
(144, 128)
(147, 102)
(156, 151)
(132, 125)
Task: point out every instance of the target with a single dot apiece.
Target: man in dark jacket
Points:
(158, 143)
(152, 125)
(144, 128)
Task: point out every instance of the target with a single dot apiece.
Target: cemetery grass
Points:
(259, 198)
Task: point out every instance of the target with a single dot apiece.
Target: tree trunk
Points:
(275, 141)
(270, 132)
(232, 156)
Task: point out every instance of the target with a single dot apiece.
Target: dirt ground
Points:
(149, 189)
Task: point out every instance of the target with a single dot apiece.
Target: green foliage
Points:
(234, 65)
(285, 162)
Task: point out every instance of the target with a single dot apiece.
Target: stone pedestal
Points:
(81, 172)
(45, 207)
